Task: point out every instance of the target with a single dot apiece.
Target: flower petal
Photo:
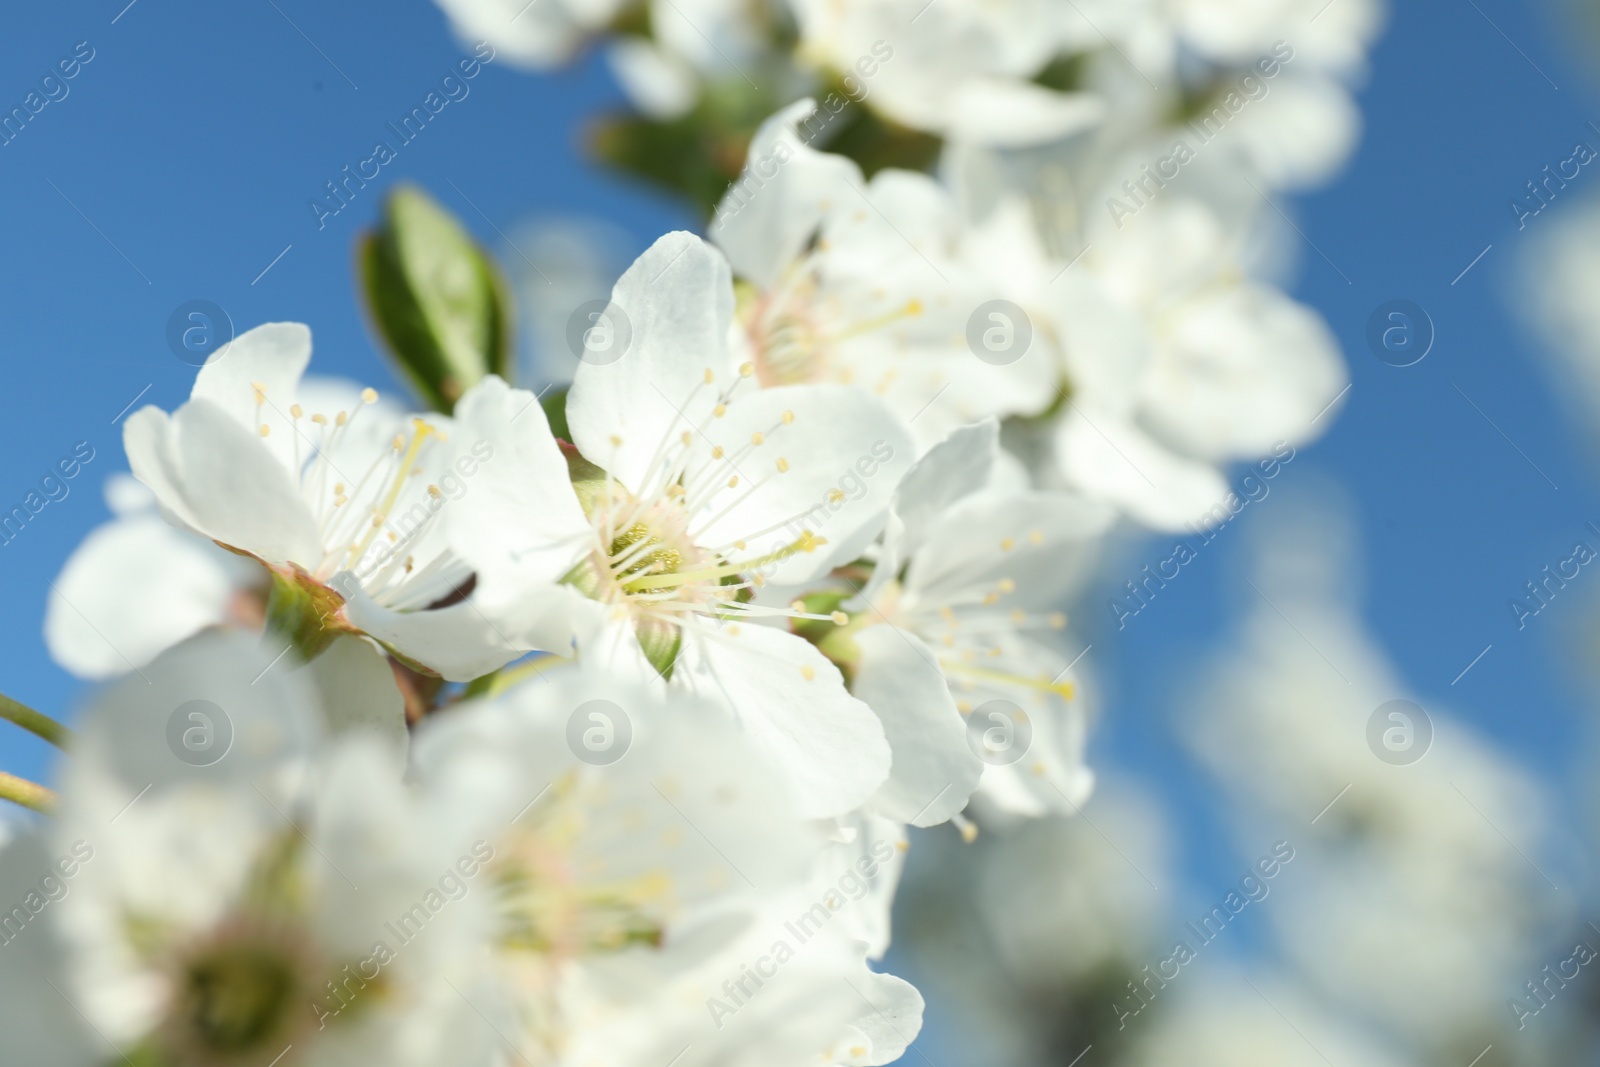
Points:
(359, 693)
(213, 476)
(934, 769)
(829, 460)
(459, 641)
(1039, 545)
(674, 305)
(518, 524)
(273, 356)
(1116, 461)
(134, 588)
(766, 220)
(1004, 113)
(826, 744)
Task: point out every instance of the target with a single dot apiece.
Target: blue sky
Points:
(181, 163)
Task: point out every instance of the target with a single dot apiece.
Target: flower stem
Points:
(34, 722)
(28, 794)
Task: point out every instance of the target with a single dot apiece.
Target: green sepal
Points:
(436, 299)
(661, 641)
(304, 612)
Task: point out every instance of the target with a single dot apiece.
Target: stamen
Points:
(808, 542)
(1065, 690)
(420, 433)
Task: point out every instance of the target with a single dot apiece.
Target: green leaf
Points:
(555, 412)
(436, 299)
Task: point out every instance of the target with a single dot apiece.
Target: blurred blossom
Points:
(1256, 1019)
(611, 713)
(1559, 272)
(1063, 902)
(1417, 895)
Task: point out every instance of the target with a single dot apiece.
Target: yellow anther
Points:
(433, 491)
(616, 442)
(709, 376)
(1007, 585)
(686, 437)
(260, 391)
(265, 429)
(717, 453)
(1058, 621)
(913, 307)
(1007, 544)
(720, 410)
(1036, 537)
(295, 411)
(835, 496)
(320, 420)
(788, 418)
(399, 442)
(783, 465)
(341, 418)
(746, 369)
(808, 673)
(797, 605)
(369, 395)
(733, 481)
(840, 618)
(757, 438)
(991, 598)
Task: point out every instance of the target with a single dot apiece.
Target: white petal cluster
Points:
(591, 729)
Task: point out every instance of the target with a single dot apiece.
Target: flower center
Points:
(559, 906)
(369, 503)
(640, 550)
(655, 555)
(237, 995)
(794, 329)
